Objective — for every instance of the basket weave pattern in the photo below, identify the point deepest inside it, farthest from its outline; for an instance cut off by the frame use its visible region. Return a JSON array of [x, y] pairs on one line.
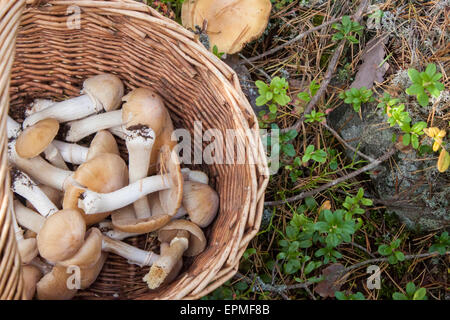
[[144, 49]]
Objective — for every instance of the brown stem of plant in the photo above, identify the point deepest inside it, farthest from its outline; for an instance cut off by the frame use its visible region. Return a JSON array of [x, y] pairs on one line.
[[329, 73], [306, 194]]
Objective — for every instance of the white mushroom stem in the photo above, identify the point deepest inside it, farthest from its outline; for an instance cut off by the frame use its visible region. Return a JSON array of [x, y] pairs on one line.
[[13, 128], [80, 129], [38, 105], [53, 155], [118, 132], [41, 171], [139, 143], [107, 228], [93, 202], [194, 175], [67, 110], [71, 152], [28, 218], [132, 254], [162, 267], [27, 188]]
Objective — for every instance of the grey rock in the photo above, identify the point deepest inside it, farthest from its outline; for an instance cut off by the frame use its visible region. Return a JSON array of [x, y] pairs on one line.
[[409, 186]]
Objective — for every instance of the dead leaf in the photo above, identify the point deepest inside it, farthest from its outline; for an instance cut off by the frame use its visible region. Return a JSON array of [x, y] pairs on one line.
[[329, 285], [369, 71]]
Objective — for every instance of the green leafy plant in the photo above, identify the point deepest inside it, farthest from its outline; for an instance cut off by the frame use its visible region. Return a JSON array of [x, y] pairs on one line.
[[316, 155], [216, 52], [442, 244], [352, 204], [412, 133], [425, 82], [412, 293], [356, 97], [346, 29], [307, 95], [353, 296], [336, 226], [314, 116], [390, 251], [274, 94], [281, 3]]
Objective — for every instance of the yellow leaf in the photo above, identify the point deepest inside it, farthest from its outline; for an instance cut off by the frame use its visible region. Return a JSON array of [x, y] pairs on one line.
[[431, 132], [437, 143], [443, 161], [326, 205], [441, 133]]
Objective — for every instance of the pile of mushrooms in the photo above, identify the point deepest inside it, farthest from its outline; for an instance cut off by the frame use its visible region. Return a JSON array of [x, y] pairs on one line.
[[74, 203]]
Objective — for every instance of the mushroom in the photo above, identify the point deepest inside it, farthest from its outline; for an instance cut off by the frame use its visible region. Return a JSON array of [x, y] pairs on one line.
[[200, 202], [27, 188], [31, 275], [144, 116], [54, 195], [71, 152], [102, 92], [105, 172], [194, 175], [53, 286], [79, 129], [103, 142], [230, 23], [184, 238], [93, 202], [108, 229], [59, 236], [38, 105], [27, 247], [37, 139], [132, 254], [41, 171]]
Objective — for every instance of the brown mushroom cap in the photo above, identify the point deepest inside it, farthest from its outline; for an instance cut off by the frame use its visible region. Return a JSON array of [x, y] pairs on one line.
[[61, 235], [31, 275], [89, 275], [231, 23], [145, 107], [197, 240], [106, 89], [201, 202], [105, 173], [125, 220], [89, 253], [53, 286], [170, 199], [28, 249], [35, 139], [103, 142]]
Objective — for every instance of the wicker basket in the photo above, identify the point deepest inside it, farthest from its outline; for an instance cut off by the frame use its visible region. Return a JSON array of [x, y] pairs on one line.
[[49, 60]]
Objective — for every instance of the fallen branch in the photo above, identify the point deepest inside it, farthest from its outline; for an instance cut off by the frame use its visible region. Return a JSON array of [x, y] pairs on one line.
[[343, 142], [311, 193]]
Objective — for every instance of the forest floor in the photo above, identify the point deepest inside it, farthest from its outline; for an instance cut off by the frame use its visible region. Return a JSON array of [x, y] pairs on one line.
[[322, 242]]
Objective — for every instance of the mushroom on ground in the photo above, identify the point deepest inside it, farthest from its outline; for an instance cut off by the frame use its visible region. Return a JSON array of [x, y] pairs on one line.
[[230, 24], [200, 202], [184, 238], [102, 92], [39, 138], [27, 188]]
